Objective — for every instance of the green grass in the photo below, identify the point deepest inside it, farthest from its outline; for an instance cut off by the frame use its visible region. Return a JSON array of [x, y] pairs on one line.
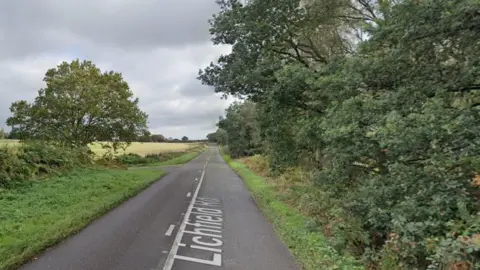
[[310, 248], [39, 215], [181, 159]]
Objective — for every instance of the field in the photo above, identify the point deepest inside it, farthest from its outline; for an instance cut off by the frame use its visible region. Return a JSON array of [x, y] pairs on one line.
[[148, 148], [136, 147], [4, 142]]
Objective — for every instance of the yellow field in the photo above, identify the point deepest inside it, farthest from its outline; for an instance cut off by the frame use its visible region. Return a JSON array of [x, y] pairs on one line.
[[136, 147], [8, 142], [147, 148]]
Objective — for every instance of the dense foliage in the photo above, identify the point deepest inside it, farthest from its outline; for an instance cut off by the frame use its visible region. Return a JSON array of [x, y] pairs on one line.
[[379, 101], [79, 105], [147, 136], [35, 159]]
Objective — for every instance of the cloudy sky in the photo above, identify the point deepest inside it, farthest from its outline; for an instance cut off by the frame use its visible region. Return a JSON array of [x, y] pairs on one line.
[[158, 45]]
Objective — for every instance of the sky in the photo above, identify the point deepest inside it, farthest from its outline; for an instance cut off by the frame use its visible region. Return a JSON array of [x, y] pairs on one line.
[[158, 46]]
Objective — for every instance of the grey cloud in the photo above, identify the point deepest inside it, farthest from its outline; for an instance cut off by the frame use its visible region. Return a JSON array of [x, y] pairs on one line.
[[157, 45], [192, 87], [123, 24]]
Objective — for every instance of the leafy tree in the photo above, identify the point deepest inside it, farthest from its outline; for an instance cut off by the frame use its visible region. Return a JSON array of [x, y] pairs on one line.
[[3, 134], [184, 138], [387, 125], [157, 138], [79, 105], [241, 128], [145, 137], [221, 136], [212, 137]]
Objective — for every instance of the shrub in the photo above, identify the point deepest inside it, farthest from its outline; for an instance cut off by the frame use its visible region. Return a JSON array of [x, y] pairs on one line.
[[257, 164], [131, 159], [34, 159], [135, 159]]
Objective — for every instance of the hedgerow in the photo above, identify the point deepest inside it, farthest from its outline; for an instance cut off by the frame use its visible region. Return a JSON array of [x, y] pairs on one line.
[[33, 159], [378, 103]]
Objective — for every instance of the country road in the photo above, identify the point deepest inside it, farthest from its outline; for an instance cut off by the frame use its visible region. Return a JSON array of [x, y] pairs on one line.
[[200, 216]]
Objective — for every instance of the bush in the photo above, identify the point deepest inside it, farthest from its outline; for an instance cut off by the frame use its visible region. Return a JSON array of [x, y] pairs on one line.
[[131, 159], [257, 163], [34, 159], [135, 159]]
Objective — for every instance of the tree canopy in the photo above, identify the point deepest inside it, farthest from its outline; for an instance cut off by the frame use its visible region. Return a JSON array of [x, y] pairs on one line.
[[379, 101], [80, 104]]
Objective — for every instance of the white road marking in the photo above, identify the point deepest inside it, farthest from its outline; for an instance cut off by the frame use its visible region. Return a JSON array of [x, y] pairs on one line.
[[217, 259], [173, 252], [189, 194], [196, 179], [170, 230]]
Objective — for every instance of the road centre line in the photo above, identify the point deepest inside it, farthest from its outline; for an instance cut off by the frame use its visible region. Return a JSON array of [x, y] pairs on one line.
[[170, 230], [171, 256], [189, 194]]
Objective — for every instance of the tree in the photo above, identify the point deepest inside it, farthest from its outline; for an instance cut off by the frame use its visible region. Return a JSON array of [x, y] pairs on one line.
[[184, 138], [3, 134], [211, 137], [386, 126], [241, 128], [79, 105], [157, 138], [145, 137]]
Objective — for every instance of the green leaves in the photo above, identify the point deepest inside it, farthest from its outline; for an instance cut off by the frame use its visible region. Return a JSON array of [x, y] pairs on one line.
[[79, 105], [379, 99]]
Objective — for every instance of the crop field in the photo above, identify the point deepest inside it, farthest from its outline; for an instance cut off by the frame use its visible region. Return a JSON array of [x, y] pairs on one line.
[[147, 148], [4, 142], [136, 147]]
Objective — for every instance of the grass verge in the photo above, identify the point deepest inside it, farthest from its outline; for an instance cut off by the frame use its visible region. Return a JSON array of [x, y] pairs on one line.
[[181, 159], [42, 213], [176, 160], [310, 248]]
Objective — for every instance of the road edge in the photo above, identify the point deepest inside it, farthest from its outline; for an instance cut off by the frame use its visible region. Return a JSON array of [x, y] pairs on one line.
[[105, 210], [309, 249]]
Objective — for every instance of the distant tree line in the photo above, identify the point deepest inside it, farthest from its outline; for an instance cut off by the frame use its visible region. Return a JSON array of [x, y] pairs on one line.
[[148, 137]]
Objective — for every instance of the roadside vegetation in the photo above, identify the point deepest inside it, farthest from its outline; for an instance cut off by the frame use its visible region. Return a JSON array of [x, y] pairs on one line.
[[162, 158], [362, 115], [68, 157], [42, 213], [299, 232]]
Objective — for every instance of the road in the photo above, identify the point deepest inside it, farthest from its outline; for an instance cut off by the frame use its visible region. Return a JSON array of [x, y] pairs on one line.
[[200, 216]]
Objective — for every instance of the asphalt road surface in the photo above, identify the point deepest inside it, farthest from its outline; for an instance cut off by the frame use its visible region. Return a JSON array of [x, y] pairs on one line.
[[200, 216]]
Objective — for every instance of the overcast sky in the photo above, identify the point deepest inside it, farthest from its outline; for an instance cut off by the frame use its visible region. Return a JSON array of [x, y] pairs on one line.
[[158, 46]]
